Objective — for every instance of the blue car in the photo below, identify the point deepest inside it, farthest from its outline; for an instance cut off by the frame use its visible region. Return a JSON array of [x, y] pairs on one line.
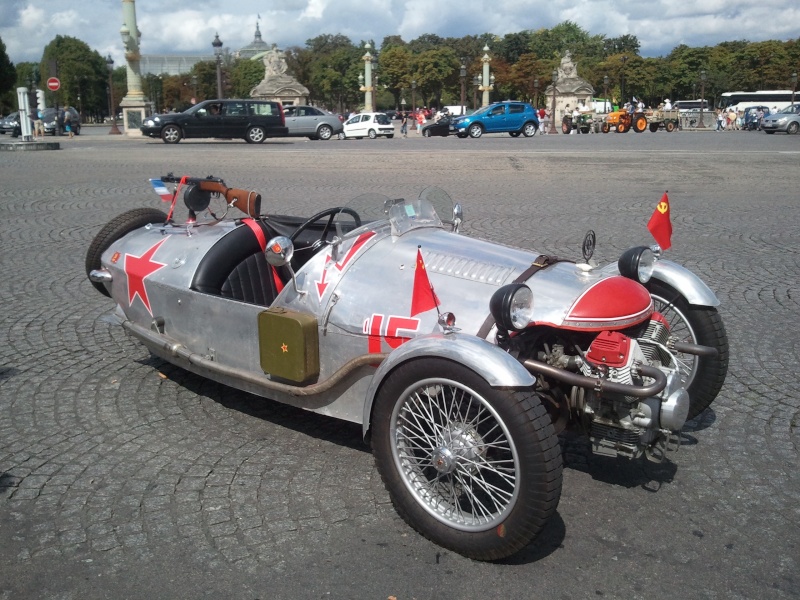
[[514, 118]]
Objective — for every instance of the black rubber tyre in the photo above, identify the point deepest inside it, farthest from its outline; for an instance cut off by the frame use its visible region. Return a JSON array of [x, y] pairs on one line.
[[768, 132], [792, 128], [530, 129], [461, 135], [699, 325], [325, 132], [622, 128], [639, 123], [513, 134], [566, 127], [372, 135], [605, 128], [115, 229], [475, 131], [255, 135], [670, 126], [653, 127], [426, 133], [171, 134], [473, 468]]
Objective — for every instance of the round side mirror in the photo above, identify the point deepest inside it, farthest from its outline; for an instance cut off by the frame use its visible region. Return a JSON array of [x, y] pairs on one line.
[[279, 251]]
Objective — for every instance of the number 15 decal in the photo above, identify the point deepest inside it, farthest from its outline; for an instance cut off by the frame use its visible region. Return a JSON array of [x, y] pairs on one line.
[[374, 327]]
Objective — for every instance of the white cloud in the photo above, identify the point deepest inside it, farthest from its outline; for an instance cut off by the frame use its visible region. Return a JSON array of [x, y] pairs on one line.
[[188, 26]]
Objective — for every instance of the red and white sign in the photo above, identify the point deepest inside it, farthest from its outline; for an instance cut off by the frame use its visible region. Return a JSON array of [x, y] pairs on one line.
[[53, 84]]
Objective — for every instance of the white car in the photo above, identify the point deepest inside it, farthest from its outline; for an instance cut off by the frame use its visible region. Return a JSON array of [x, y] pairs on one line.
[[369, 125]]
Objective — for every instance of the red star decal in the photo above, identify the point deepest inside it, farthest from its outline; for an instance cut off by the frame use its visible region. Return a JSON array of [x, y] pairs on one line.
[[139, 267], [285, 348]]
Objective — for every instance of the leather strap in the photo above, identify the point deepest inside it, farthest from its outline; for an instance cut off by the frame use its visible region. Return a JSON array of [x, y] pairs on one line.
[[542, 261]]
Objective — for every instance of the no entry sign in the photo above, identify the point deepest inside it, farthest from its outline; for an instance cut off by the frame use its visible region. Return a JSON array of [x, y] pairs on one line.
[[53, 84]]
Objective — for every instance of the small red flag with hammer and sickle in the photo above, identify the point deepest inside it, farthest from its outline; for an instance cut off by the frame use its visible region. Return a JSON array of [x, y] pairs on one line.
[[660, 225]]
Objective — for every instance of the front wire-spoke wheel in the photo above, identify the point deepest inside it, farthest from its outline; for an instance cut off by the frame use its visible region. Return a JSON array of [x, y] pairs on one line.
[[473, 468], [702, 376]]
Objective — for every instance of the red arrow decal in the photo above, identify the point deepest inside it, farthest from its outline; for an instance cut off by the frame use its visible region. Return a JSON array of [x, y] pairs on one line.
[[360, 241], [322, 284]]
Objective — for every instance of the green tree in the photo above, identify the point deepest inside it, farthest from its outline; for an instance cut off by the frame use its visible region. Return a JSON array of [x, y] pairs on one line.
[[244, 76], [82, 71], [8, 79]]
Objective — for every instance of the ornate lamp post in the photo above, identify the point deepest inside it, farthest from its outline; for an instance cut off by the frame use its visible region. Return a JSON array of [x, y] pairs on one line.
[[366, 87], [114, 129], [462, 73], [793, 79], [536, 91], [476, 81], [605, 93], [702, 125], [553, 106], [622, 81], [486, 86], [217, 44], [414, 103]]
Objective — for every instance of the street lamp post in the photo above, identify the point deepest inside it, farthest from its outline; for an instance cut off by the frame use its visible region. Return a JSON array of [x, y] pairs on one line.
[[793, 79], [622, 81], [536, 92], [194, 88], [365, 80], [476, 81], [486, 84], [462, 73], [553, 105], [114, 129], [414, 104], [605, 94], [217, 44], [702, 125]]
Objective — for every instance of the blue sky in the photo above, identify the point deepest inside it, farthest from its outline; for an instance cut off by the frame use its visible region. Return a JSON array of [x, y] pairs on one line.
[[188, 26]]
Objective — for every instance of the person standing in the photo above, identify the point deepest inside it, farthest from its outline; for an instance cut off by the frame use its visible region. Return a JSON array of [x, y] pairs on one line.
[[404, 125], [420, 121], [38, 124], [68, 123]]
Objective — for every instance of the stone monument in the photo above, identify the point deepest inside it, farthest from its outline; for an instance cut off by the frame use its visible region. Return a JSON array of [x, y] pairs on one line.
[[277, 85], [134, 104], [571, 89]]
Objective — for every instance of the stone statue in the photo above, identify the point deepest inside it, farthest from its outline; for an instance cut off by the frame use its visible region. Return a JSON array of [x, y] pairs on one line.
[[567, 68], [274, 62]]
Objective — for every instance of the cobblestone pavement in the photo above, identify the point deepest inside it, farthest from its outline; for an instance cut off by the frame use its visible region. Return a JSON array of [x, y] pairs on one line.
[[124, 477]]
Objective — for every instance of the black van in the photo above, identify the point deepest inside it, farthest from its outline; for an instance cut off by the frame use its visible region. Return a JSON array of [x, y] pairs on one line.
[[252, 120]]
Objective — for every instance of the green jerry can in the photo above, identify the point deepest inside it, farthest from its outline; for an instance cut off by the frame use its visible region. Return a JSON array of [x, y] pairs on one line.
[[289, 345]]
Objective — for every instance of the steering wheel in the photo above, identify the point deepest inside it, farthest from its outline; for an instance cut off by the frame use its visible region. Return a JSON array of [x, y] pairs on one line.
[[331, 214]]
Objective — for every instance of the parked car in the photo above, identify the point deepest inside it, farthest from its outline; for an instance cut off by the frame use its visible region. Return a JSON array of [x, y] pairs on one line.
[[369, 125], [311, 122], [252, 120], [786, 120], [514, 118], [54, 123], [10, 124], [440, 128], [462, 391]]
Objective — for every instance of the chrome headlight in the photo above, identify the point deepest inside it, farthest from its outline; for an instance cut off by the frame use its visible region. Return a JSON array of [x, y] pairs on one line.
[[149, 123], [637, 263], [512, 307]]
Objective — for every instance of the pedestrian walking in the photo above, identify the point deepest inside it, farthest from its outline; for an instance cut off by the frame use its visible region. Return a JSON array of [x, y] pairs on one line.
[[404, 125]]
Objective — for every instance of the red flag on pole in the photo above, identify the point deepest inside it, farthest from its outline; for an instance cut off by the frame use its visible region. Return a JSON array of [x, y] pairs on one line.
[[660, 225], [423, 298]]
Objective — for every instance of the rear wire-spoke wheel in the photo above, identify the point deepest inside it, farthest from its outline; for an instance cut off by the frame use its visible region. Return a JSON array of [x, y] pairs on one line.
[[703, 376], [474, 469]]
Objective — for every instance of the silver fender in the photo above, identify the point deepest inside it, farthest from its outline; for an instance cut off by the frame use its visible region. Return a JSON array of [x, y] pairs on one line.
[[497, 367], [683, 280]]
